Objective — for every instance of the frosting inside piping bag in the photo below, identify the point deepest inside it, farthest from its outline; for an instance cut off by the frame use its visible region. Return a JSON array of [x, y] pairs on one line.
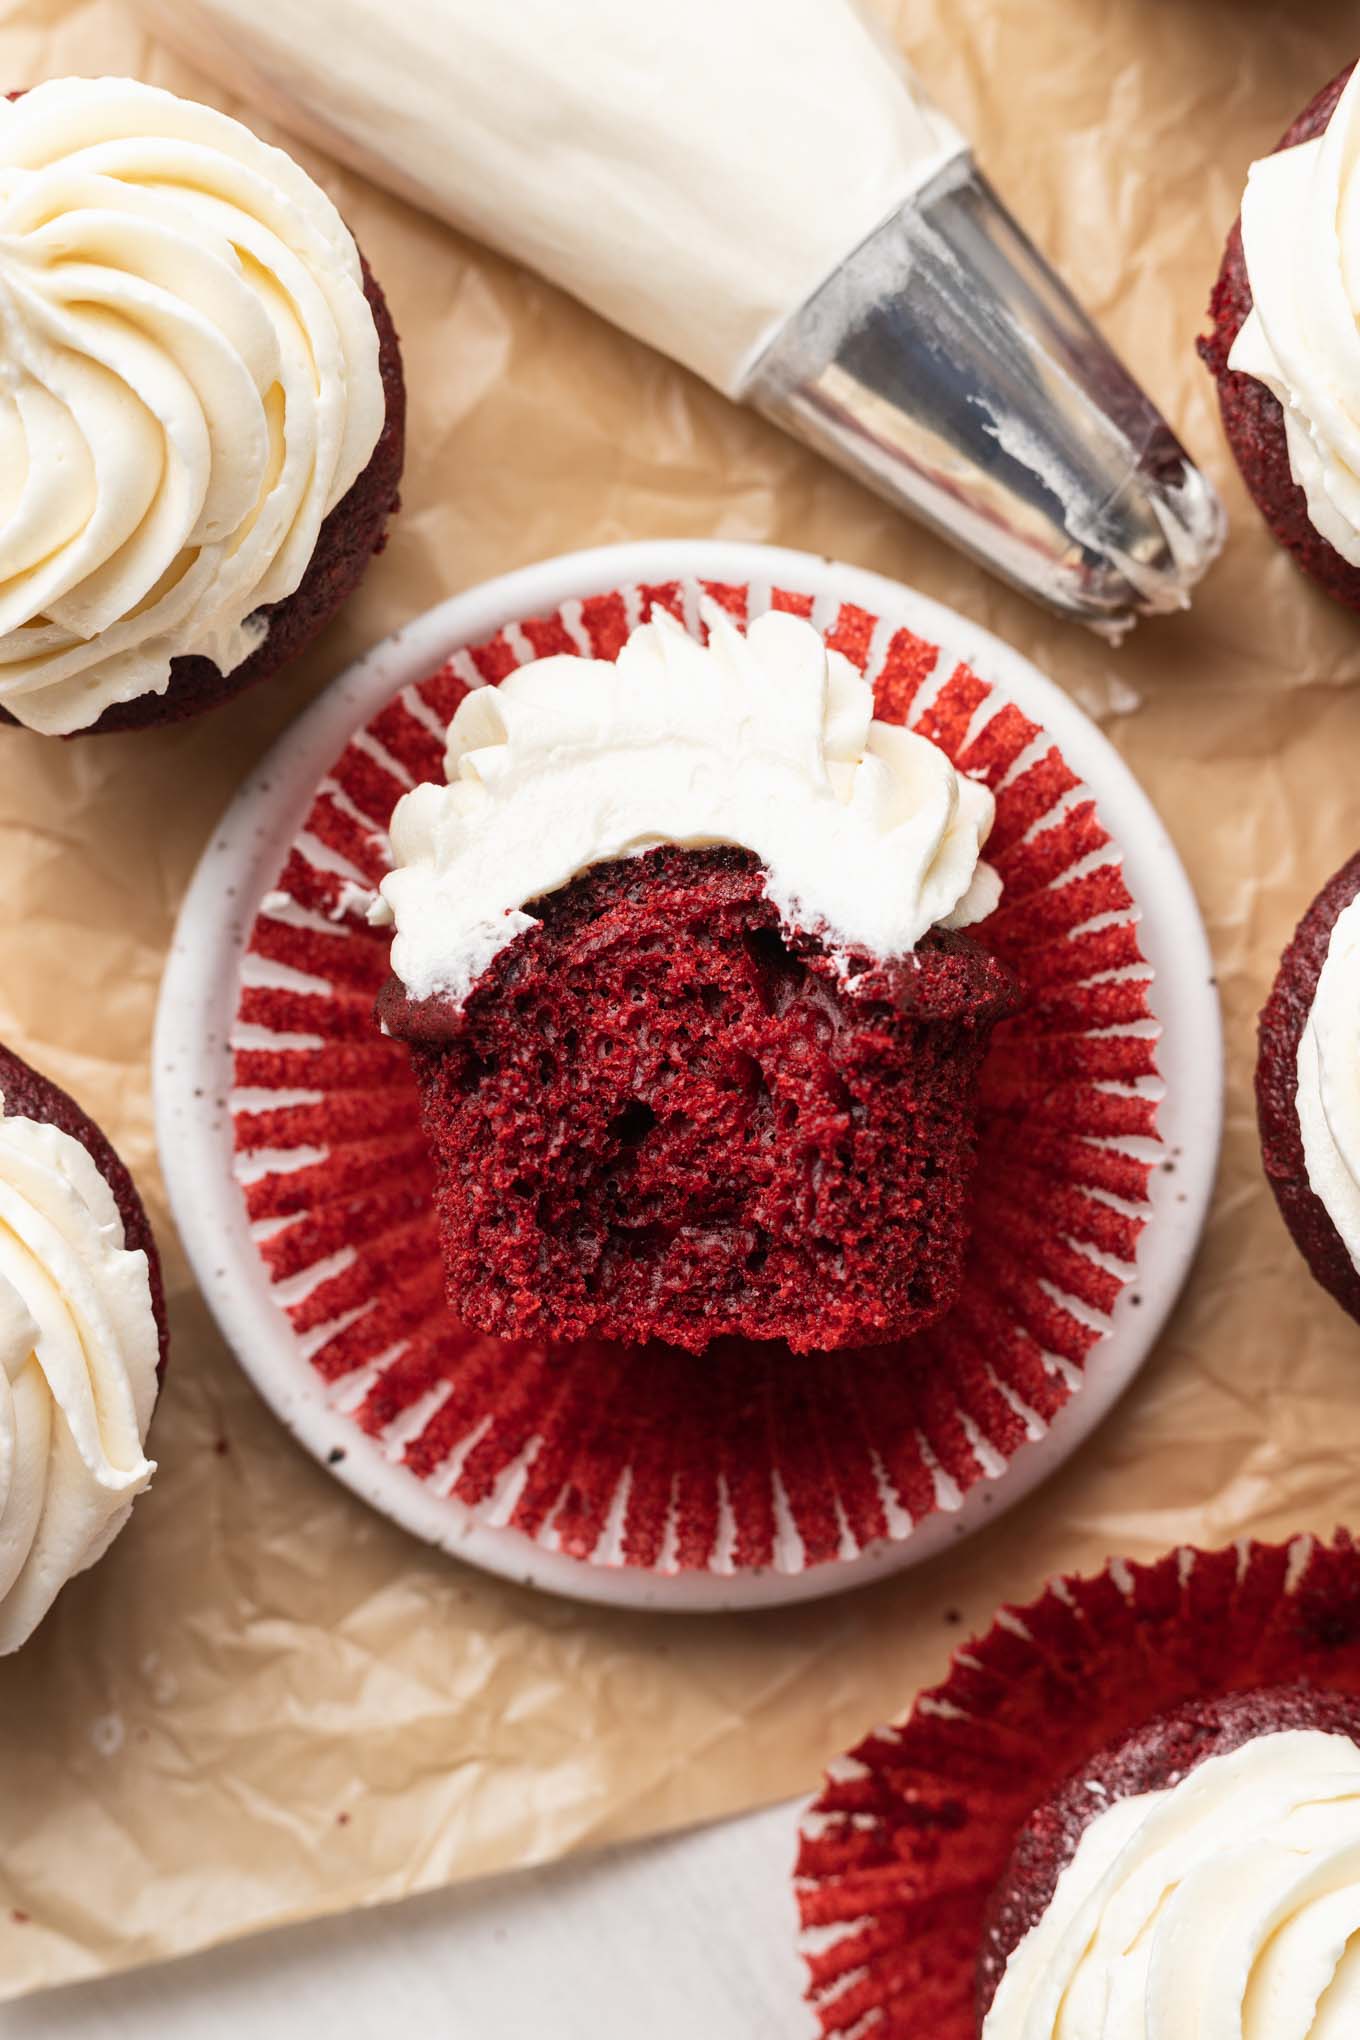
[[691, 169]]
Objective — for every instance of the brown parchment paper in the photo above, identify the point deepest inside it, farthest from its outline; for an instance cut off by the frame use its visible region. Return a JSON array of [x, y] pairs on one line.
[[268, 1702]]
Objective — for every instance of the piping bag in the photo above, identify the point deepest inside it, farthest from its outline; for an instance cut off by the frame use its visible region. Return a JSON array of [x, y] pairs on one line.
[[761, 189]]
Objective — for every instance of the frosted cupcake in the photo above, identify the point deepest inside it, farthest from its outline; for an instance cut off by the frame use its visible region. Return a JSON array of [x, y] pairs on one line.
[[677, 953], [1308, 1087], [82, 1342], [1206, 1868], [1284, 348], [1131, 1811], [201, 411]]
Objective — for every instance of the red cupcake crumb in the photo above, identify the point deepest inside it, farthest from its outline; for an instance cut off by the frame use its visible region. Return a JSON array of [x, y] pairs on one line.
[[29, 1095], [1152, 1758], [937, 1843], [658, 1117], [1252, 418], [1281, 1028]]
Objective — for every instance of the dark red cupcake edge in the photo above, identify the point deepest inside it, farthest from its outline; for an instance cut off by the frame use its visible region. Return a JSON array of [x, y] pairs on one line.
[[1252, 419], [30, 1095], [1150, 1759], [349, 538], [1279, 1032]]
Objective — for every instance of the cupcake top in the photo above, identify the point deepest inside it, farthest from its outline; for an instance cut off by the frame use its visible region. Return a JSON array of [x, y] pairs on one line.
[[1329, 1082], [1301, 239], [79, 1346], [191, 384], [764, 741], [1227, 1904]]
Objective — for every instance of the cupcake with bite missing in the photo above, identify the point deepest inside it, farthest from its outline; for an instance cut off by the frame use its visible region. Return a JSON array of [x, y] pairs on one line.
[[1284, 348], [1131, 1811], [83, 1341], [201, 408], [678, 954]]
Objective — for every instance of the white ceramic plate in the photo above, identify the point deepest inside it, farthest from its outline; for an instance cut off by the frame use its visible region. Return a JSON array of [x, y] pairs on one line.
[[198, 1001]]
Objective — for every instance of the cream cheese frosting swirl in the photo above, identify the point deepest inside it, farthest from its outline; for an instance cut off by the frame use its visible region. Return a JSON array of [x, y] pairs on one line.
[[78, 1355], [189, 383], [1226, 1908], [766, 740], [1301, 237], [1328, 1096]]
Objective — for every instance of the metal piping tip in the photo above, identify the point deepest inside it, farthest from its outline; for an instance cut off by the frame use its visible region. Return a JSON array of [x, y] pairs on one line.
[[946, 365]]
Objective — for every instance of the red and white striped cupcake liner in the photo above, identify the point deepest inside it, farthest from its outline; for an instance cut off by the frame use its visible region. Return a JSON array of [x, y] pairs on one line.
[[747, 1457], [913, 1830]]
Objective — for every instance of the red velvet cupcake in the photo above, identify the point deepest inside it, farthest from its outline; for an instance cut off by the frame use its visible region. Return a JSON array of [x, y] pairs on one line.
[[1308, 1112], [648, 1459], [201, 442], [1272, 337], [83, 1340], [1137, 1797], [688, 1093]]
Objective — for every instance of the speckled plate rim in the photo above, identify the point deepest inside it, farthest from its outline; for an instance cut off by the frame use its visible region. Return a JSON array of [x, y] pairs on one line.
[[192, 1069]]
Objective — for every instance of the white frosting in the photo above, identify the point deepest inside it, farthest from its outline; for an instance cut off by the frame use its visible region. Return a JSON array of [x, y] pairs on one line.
[[868, 835], [692, 169], [188, 384], [1301, 235], [78, 1355], [1329, 1082], [1227, 1908]]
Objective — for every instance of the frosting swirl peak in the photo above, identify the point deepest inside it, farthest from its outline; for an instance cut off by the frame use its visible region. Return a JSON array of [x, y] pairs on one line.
[[765, 741], [189, 383]]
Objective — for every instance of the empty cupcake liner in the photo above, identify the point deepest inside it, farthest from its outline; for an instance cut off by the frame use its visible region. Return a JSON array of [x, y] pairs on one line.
[[746, 1457], [913, 1830]]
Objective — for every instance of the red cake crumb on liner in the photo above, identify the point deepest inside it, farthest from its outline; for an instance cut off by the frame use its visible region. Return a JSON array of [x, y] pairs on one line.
[[746, 1457], [913, 1830]]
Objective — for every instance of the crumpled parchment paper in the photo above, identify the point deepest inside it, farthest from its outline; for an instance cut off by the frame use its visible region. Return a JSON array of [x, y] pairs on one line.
[[267, 1702]]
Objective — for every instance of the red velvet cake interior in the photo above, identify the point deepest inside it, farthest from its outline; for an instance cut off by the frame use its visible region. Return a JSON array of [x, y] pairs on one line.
[[660, 1116]]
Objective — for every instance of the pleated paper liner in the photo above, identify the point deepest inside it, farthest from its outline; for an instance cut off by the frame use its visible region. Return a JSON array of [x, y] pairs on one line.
[[914, 1829], [749, 1456]]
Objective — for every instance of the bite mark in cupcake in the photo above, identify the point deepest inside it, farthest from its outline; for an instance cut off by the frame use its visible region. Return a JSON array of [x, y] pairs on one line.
[[202, 416], [697, 1041]]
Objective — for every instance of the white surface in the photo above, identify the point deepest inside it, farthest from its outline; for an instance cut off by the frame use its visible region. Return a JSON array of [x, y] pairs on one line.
[[688, 1939], [192, 1063]]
